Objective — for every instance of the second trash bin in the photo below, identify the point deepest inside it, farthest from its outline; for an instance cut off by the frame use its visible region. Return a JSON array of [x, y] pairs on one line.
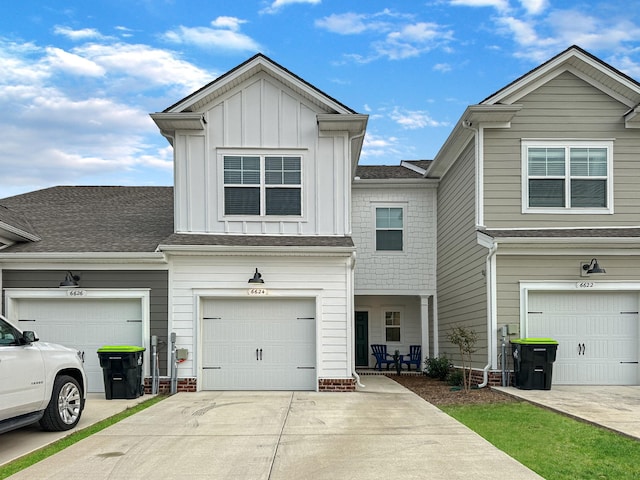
[[122, 371], [533, 362]]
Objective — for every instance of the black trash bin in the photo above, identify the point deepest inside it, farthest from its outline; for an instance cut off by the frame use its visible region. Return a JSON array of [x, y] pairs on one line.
[[533, 362], [122, 371]]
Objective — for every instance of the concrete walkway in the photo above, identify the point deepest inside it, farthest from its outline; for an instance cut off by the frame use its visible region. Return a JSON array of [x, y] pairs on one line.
[[614, 407], [381, 431]]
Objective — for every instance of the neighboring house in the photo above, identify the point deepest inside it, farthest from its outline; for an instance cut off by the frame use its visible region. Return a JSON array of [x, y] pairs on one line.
[[394, 229], [277, 261], [536, 181]]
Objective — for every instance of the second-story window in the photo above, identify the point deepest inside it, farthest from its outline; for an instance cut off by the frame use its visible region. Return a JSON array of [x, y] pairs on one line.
[[566, 177], [389, 228], [262, 185]]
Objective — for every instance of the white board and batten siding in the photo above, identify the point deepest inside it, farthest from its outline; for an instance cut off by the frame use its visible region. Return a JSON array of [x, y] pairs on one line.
[[262, 116], [295, 288], [597, 332]]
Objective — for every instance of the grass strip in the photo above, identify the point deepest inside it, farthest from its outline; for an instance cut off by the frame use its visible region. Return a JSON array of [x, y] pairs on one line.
[[555, 446], [34, 457]]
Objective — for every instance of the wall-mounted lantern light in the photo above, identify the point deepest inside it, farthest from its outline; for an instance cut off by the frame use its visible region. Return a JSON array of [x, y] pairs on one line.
[[70, 280], [257, 278], [592, 268]]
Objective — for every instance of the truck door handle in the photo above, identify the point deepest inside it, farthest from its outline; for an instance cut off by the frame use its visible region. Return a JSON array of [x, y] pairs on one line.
[[257, 358], [260, 354]]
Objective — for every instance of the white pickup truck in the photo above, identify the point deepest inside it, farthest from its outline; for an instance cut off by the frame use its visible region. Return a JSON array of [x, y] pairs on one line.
[[39, 381]]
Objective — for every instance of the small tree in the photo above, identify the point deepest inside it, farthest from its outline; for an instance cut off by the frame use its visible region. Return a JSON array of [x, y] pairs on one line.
[[465, 339]]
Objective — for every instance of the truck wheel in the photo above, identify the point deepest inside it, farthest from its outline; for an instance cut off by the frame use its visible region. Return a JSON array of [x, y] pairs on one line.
[[64, 409]]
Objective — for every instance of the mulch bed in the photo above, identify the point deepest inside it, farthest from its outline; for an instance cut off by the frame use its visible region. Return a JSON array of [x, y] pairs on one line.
[[441, 393]]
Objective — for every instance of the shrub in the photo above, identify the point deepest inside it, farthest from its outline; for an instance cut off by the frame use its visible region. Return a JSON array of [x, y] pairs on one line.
[[456, 378], [437, 367]]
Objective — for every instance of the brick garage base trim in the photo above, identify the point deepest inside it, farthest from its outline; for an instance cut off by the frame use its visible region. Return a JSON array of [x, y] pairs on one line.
[[188, 384], [336, 384], [494, 377]]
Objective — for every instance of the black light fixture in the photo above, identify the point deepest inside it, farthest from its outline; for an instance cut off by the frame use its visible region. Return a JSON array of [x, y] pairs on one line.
[[257, 278], [593, 267], [70, 280]]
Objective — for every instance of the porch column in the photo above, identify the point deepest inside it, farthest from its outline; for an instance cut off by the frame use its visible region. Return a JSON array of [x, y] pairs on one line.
[[424, 327]]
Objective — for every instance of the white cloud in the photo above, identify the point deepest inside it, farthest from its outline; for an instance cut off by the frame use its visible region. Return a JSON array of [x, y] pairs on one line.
[[534, 7], [412, 40], [278, 4], [501, 5], [347, 23], [77, 35], [222, 35], [442, 67], [379, 146], [73, 64], [414, 119], [141, 62]]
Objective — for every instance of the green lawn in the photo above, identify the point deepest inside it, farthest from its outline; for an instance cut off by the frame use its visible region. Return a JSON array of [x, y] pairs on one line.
[[553, 445]]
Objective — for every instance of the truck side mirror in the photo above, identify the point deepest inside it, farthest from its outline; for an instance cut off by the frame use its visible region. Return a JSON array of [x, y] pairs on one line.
[[29, 337]]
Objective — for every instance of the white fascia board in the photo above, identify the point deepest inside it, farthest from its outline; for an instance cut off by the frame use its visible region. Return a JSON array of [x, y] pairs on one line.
[[83, 258], [395, 182], [227, 250], [14, 233]]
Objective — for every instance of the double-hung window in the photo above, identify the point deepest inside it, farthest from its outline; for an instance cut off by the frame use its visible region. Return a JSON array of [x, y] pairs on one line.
[[389, 228], [392, 326], [262, 185], [567, 177]]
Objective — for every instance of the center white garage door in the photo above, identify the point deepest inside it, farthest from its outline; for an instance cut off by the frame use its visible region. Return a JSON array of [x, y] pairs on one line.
[[84, 324], [597, 334], [259, 344]]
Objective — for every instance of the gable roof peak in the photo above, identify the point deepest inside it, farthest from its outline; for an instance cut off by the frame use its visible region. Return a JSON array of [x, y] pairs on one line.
[[250, 67], [580, 63]]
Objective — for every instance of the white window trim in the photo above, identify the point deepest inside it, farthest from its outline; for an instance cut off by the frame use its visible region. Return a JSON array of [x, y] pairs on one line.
[[262, 153], [400, 311], [566, 143], [403, 206]]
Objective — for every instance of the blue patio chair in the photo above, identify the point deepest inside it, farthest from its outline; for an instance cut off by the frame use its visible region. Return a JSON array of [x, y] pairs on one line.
[[414, 357], [381, 355]]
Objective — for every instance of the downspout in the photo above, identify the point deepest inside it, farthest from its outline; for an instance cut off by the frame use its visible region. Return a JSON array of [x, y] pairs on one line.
[[490, 292], [352, 313]]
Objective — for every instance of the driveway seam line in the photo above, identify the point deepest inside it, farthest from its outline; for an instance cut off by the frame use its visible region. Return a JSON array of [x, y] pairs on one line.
[[284, 422]]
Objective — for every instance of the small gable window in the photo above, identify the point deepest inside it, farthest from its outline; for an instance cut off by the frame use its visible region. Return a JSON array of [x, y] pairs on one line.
[[567, 177], [262, 185]]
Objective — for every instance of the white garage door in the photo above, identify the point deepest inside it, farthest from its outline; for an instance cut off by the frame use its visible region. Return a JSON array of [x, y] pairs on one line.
[[597, 334], [84, 324], [258, 344]]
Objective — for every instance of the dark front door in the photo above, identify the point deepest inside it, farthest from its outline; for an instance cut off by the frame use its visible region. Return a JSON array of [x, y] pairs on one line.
[[362, 339]]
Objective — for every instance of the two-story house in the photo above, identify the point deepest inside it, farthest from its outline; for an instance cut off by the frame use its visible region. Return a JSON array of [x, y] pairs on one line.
[[277, 261], [539, 220]]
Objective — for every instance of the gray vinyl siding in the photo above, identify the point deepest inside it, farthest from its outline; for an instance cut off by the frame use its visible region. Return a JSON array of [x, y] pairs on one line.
[[513, 269], [156, 281], [565, 107], [462, 296]]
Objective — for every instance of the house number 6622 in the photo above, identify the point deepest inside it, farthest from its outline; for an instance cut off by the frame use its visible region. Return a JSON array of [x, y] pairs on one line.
[[586, 284]]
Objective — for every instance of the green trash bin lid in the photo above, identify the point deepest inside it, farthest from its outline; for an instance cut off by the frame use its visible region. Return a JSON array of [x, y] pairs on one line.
[[535, 341], [120, 349]]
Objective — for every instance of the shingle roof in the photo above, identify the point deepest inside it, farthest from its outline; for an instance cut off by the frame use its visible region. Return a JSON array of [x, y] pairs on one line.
[[94, 219], [15, 220], [122, 219], [566, 233], [182, 239], [375, 172]]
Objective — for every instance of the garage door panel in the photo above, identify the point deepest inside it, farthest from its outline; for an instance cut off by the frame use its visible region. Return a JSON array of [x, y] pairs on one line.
[[258, 344], [84, 324], [596, 331]]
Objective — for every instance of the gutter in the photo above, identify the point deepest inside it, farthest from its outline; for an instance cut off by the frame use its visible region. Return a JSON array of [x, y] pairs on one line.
[[354, 373]]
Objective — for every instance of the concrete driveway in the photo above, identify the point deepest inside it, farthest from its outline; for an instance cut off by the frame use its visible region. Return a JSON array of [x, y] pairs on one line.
[[381, 431]]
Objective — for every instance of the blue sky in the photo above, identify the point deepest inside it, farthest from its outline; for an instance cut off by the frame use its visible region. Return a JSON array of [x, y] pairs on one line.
[[79, 78]]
